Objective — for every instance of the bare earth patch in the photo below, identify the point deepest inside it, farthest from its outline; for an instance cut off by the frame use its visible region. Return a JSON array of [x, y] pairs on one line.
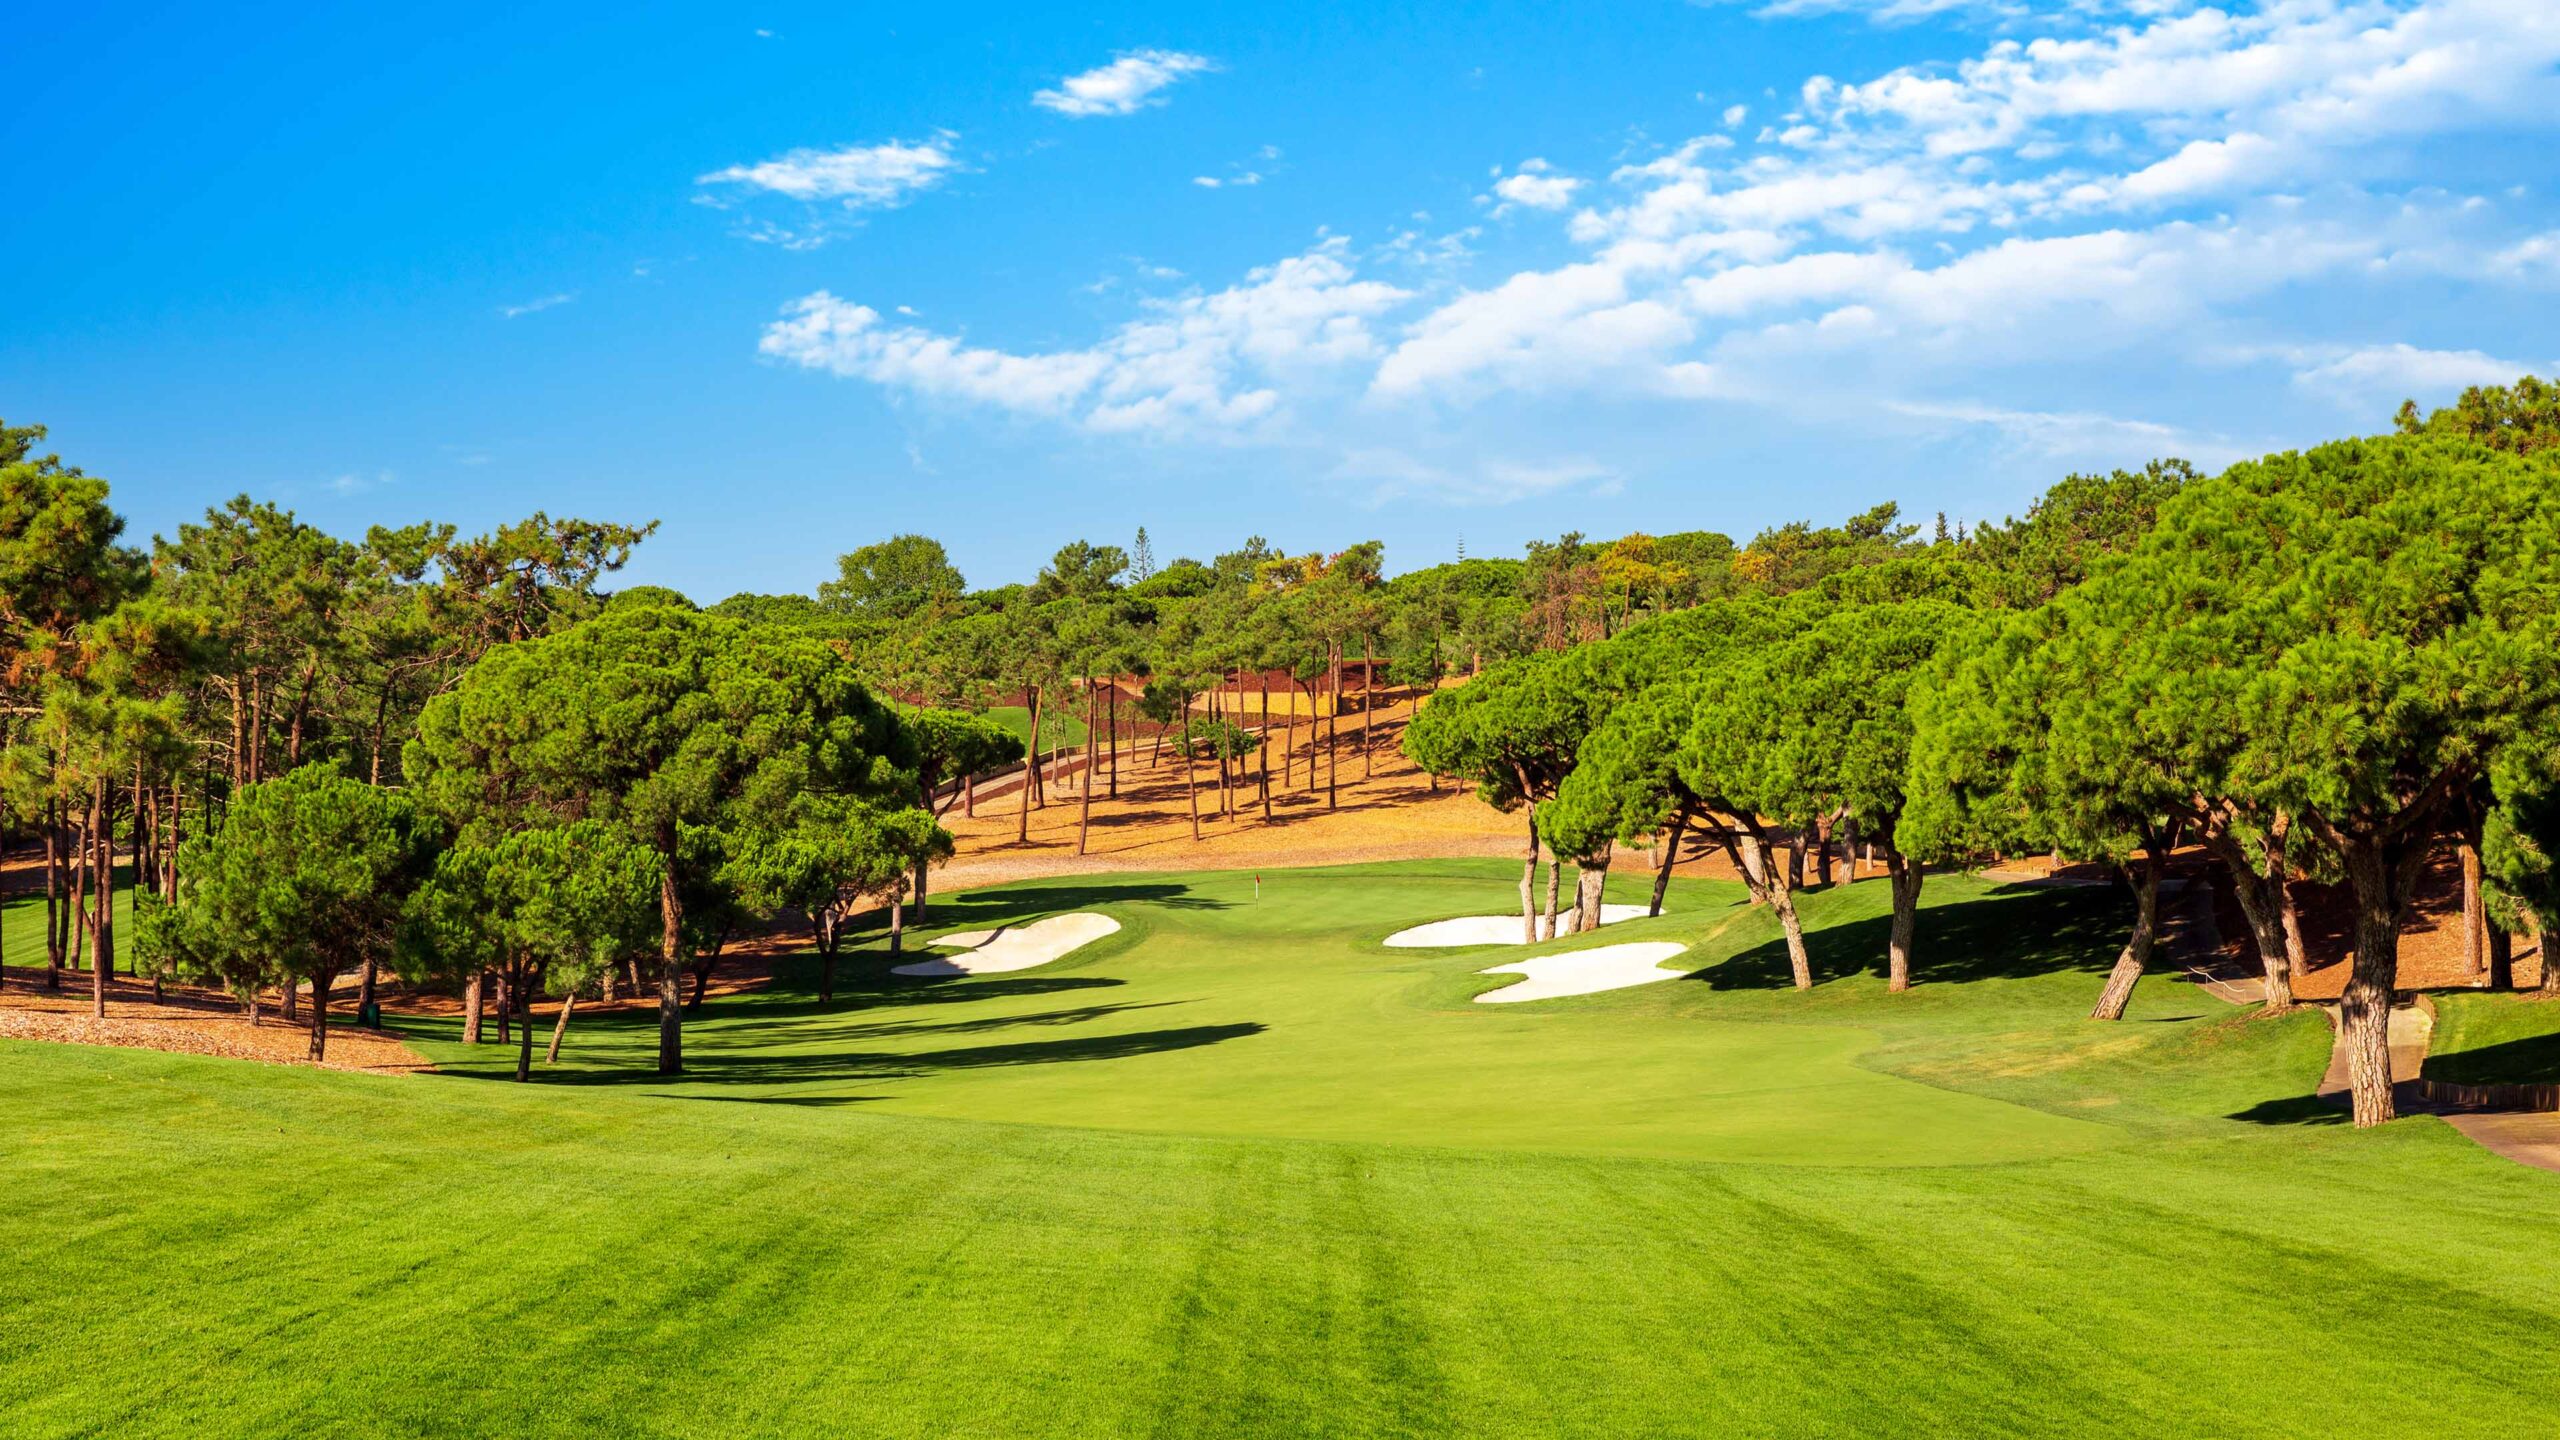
[[186, 1021]]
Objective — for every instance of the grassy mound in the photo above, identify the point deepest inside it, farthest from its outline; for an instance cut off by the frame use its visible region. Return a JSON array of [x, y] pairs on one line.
[[2495, 1040], [1242, 1170]]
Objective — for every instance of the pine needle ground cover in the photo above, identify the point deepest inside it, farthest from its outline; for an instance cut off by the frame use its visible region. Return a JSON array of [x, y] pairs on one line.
[[1239, 1169]]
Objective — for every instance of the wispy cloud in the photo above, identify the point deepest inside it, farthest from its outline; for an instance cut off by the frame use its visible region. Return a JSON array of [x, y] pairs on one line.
[[535, 306], [862, 177], [1134, 81], [1384, 475]]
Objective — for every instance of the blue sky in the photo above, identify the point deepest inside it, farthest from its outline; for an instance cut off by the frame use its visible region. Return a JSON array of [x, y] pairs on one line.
[[791, 278]]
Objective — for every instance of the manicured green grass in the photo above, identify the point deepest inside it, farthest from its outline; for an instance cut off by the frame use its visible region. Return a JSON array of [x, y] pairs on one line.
[[1056, 729], [22, 923], [1240, 1170], [2495, 1039]]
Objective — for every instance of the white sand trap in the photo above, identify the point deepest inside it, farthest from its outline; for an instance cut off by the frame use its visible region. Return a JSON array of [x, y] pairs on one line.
[[1584, 972], [1016, 947], [966, 939], [1494, 929]]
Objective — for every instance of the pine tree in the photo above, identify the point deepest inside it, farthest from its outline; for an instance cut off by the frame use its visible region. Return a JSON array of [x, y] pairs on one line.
[[1142, 556]]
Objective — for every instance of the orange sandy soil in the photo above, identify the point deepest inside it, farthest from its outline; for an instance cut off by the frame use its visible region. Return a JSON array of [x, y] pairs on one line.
[[2431, 955], [1391, 814], [190, 1020]]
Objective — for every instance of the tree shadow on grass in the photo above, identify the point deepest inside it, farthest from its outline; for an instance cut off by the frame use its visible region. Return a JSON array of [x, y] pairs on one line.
[[888, 1025], [2293, 1110], [2009, 933], [2529, 1060], [710, 1065]]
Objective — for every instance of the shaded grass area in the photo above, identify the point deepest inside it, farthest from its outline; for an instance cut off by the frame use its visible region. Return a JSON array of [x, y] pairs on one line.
[[1285, 1182], [1056, 729], [22, 923], [2486, 1039]]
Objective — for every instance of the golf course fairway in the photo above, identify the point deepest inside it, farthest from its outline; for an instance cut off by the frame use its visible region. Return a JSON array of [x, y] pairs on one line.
[[1241, 1169]]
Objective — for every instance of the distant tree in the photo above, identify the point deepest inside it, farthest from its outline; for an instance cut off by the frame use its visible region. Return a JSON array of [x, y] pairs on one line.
[[305, 881], [1081, 571], [2082, 519], [1181, 579], [657, 721], [951, 746], [2523, 418], [549, 908], [1142, 559], [894, 576], [1515, 732], [630, 596]]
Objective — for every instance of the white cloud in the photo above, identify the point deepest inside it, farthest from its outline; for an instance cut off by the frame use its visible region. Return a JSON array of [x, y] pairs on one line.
[[860, 176], [1537, 186], [1915, 251], [531, 307], [2368, 377], [1199, 363], [1127, 85]]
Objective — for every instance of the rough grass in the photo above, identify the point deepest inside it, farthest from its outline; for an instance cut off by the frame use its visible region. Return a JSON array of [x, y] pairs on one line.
[[1239, 1170]]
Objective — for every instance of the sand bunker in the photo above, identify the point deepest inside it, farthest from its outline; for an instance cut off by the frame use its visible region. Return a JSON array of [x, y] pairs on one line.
[[1494, 929], [1016, 947], [1583, 972]]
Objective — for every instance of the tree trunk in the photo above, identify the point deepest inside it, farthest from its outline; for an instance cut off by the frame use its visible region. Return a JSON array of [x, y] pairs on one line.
[[2136, 955], [1822, 850], [364, 987], [1084, 790], [1555, 890], [2364, 1010], [1113, 721], [2472, 926], [1670, 857], [670, 963], [320, 984], [301, 708], [1333, 739], [897, 921], [524, 1023], [53, 888], [1190, 778], [1589, 883], [1368, 693], [1761, 867], [560, 1027], [473, 1003], [506, 1006], [2502, 960], [1529, 883], [2256, 894], [1039, 789], [969, 796], [1904, 876], [924, 868]]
